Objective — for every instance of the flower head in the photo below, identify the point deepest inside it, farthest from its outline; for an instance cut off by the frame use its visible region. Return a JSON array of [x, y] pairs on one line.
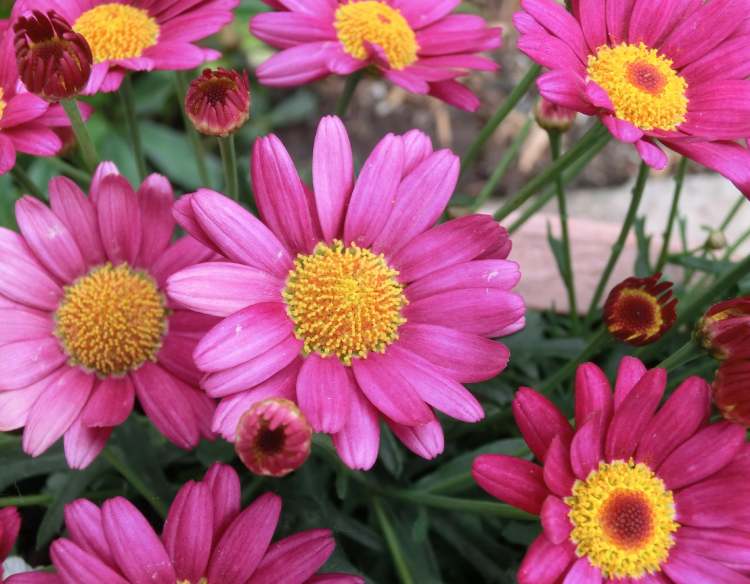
[[54, 62], [207, 539], [640, 311], [346, 297], [87, 324], [673, 81], [423, 51], [725, 329], [140, 35], [620, 496], [731, 390], [551, 116], [218, 101], [273, 438]]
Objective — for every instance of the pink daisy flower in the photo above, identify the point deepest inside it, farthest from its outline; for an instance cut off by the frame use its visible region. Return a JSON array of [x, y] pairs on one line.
[[347, 298], [679, 78], [635, 493], [207, 539], [140, 35], [417, 44], [86, 325]]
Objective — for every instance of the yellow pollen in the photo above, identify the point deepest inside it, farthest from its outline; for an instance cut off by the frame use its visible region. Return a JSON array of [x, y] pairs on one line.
[[112, 320], [372, 21], [117, 31], [203, 580], [644, 88], [638, 310], [2, 103], [344, 301], [623, 518]]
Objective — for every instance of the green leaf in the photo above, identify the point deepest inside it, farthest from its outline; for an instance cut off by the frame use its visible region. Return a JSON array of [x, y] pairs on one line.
[[16, 465], [558, 252], [391, 453], [643, 267]]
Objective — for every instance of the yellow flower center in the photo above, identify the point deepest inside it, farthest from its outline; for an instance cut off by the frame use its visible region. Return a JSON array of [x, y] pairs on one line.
[[2, 103], [117, 31], [637, 312], [112, 320], [201, 581], [623, 518], [644, 88], [371, 21], [344, 301]]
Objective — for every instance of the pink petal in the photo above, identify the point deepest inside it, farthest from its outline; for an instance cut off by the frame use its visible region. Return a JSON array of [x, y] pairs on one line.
[[426, 440], [593, 394], [16, 404], [119, 219], [83, 521], [35, 139], [586, 447], [500, 274], [110, 404], [185, 252], [651, 154], [294, 559], [324, 389], [558, 475], [22, 108], [155, 198], [333, 174], [224, 484], [684, 568], [24, 324], [730, 547], [716, 502], [539, 421], [83, 444], [554, 517], [544, 562], [77, 565], [25, 362], [7, 154], [358, 441], [79, 216], [514, 481], [582, 572], [629, 373]]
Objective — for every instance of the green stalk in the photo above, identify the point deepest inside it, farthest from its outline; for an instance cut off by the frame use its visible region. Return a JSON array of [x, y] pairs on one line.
[[85, 143], [345, 99], [27, 501], [76, 174], [502, 167], [640, 185], [685, 354], [181, 84], [499, 116], [733, 212], [130, 475], [599, 341], [391, 539], [128, 100], [25, 182], [229, 158], [679, 180], [584, 145], [486, 508]]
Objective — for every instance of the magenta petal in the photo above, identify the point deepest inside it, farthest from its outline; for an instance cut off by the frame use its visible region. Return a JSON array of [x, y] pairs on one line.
[[83, 520], [7, 154], [296, 558], [324, 389], [10, 519], [83, 444], [22, 278], [119, 219], [501, 274], [539, 421], [545, 562], [687, 568], [582, 572], [24, 324], [629, 374], [185, 252], [224, 484], [25, 362], [110, 403], [730, 547], [426, 440], [188, 531], [21, 108], [333, 174], [714, 503], [358, 441], [155, 198], [77, 565], [651, 154], [514, 481], [78, 214], [558, 475], [554, 517], [592, 394], [15, 405], [586, 447], [622, 130]]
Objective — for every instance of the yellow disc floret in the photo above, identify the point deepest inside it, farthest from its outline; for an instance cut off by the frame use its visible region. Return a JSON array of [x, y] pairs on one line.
[[2, 103], [623, 518], [638, 312], [375, 22], [644, 88], [344, 301], [117, 31], [112, 320]]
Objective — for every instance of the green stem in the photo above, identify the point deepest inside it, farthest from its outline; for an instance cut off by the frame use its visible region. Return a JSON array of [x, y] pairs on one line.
[[391, 539], [679, 180], [688, 352], [599, 341], [742, 201], [584, 145], [25, 182], [130, 475], [486, 508], [503, 165], [27, 501], [76, 174], [566, 270], [499, 116], [85, 143], [229, 158], [345, 99], [128, 100], [181, 84], [640, 185]]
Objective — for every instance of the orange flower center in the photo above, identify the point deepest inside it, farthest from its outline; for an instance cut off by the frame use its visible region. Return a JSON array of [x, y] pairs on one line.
[[117, 31]]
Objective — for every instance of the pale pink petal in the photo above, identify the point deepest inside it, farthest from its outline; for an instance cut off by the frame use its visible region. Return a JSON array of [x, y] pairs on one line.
[[333, 174], [426, 440], [358, 441], [294, 559], [119, 219], [324, 389], [155, 198], [110, 404], [79, 216], [83, 444]]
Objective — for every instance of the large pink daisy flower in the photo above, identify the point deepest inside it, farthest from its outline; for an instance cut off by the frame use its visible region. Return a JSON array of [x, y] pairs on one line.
[[140, 35], [207, 539], [679, 77], [417, 44], [636, 493], [348, 299], [86, 326]]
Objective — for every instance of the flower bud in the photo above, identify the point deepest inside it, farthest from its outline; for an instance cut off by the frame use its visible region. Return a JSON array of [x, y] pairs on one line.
[[724, 331], [218, 102], [273, 438], [54, 62], [716, 240], [639, 311], [551, 116], [730, 391]]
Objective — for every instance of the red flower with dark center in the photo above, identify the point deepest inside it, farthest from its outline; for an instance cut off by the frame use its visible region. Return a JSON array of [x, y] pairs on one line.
[[725, 329], [218, 102]]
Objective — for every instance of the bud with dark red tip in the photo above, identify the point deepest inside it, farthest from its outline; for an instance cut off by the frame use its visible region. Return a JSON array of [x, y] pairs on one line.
[[218, 102], [551, 116], [724, 330]]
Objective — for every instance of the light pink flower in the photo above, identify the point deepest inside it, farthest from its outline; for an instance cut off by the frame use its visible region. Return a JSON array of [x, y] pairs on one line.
[[346, 297], [635, 493], [679, 78], [86, 326], [417, 44], [140, 35], [207, 539]]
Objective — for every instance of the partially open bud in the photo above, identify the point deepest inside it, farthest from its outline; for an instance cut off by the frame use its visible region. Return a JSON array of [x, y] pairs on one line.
[[639, 311], [551, 116], [724, 330], [54, 61], [273, 438], [731, 393], [218, 102]]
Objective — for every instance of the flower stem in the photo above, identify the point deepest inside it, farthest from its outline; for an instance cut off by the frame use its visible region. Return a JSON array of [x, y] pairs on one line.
[[27, 501], [25, 182], [128, 100], [181, 84], [229, 158], [117, 462], [685, 354], [499, 116], [635, 202], [391, 539], [85, 143], [584, 145], [733, 212], [345, 99], [679, 179], [486, 508], [599, 341]]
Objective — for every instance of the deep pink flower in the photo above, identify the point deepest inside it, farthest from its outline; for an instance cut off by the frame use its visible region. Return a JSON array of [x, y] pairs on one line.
[[679, 78], [207, 539], [636, 493], [86, 325], [417, 44], [724, 330], [347, 298], [140, 35], [731, 390]]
